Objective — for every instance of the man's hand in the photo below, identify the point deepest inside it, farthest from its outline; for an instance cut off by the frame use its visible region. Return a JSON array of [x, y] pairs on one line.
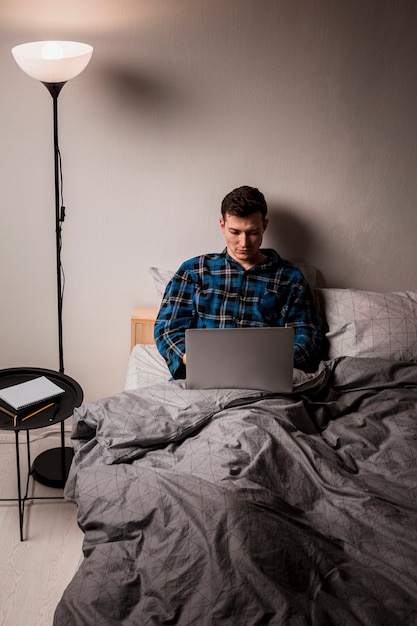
[[184, 359]]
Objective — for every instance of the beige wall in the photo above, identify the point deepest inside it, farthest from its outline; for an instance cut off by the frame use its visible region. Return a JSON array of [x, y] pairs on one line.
[[314, 101]]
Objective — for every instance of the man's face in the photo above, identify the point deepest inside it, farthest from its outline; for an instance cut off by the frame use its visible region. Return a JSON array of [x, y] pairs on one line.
[[244, 237]]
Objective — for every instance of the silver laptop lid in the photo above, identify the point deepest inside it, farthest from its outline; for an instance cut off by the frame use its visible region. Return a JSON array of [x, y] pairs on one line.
[[240, 358]]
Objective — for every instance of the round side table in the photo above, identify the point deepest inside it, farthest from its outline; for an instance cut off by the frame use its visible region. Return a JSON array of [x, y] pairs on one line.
[[50, 467]]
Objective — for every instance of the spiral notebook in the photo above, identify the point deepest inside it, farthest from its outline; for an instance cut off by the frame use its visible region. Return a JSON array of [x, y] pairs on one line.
[[30, 392]]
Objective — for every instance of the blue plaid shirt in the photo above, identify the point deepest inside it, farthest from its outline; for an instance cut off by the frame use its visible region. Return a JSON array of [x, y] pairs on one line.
[[214, 291]]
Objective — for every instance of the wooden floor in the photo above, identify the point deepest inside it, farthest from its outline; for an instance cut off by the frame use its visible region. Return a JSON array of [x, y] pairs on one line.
[[34, 572]]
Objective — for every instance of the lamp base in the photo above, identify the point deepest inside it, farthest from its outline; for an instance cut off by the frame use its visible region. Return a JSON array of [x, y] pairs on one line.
[[51, 469]]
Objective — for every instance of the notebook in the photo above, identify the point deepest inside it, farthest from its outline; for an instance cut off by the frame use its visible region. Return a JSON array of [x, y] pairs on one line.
[[240, 358], [30, 392]]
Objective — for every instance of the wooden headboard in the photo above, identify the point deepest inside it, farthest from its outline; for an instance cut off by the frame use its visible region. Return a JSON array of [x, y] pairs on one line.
[[141, 325]]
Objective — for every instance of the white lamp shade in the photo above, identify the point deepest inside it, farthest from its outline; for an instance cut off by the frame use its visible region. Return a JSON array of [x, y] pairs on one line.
[[52, 61]]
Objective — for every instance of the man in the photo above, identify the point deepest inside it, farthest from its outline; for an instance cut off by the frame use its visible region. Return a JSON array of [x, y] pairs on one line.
[[242, 286]]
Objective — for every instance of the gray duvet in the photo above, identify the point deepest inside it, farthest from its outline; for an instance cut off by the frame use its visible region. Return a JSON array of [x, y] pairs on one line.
[[239, 508]]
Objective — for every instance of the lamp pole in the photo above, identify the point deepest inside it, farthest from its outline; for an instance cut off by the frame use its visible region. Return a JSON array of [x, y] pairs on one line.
[[55, 89]]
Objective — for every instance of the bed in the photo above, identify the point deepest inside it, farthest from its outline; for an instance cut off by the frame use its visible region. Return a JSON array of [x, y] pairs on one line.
[[244, 508]]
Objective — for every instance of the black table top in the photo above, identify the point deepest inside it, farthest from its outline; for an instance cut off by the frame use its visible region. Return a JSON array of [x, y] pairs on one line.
[[62, 408]]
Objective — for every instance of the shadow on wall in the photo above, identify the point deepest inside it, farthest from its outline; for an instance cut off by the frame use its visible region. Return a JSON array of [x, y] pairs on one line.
[[137, 89], [291, 237]]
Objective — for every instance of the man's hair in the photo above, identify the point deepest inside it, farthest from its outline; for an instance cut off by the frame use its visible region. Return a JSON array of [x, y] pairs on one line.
[[244, 201]]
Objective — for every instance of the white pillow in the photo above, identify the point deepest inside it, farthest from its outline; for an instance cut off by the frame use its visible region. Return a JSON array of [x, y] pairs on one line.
[[160, 278], [146, 367], [370, 324]]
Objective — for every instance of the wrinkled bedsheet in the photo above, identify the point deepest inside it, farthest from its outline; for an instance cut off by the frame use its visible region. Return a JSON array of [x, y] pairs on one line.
[[242, 508]]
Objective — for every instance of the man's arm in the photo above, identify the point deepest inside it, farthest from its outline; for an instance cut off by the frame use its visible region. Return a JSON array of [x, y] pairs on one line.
[[308, 336], [176, 314]]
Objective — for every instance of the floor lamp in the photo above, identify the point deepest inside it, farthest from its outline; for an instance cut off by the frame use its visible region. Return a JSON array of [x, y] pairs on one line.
[[54, 63]]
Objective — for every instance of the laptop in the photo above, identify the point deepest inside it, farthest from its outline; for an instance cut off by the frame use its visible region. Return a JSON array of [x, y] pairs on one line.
[[240, 358]]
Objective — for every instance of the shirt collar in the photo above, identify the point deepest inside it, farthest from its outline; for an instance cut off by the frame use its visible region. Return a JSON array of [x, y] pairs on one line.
[[271, 257]]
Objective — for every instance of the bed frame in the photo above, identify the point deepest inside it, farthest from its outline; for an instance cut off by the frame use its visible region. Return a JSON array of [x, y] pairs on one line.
[[142, 322]]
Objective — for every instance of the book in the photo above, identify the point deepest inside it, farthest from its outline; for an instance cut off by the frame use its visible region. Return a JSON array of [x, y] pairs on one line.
[[30, 392]]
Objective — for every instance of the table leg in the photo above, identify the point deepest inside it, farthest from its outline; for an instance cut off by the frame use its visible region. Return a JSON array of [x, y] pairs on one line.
[[19, 485], [63, 464], [66, 454]]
